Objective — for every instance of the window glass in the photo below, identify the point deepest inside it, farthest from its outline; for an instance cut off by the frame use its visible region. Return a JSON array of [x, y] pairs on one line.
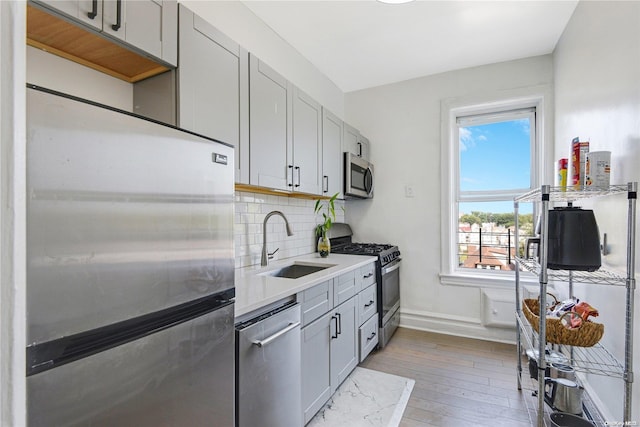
[[486, 234], [495, 156], [495, 164]]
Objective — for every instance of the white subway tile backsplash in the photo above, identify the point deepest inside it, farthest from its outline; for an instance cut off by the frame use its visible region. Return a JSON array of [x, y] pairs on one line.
[[250, 211]]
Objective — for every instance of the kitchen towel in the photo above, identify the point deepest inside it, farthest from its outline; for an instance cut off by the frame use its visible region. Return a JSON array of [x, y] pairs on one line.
[[366, 398]]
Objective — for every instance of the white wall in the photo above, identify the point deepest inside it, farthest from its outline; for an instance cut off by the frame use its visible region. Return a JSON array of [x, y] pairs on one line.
[[238, 22], [403, 123], [597, 75], [53, 72]]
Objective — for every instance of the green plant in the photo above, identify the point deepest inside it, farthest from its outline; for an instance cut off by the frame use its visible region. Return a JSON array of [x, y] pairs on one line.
[[329, 216]]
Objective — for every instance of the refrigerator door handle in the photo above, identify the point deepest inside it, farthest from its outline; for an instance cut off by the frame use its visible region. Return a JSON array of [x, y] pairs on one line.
[[266, 341]]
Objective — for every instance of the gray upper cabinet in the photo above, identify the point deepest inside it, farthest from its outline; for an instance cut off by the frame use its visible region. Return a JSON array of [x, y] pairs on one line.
[[87, 12], [354, 142], [307, 144], [149, 26], [350, 138], [363, 147], [332, 165], [213, 87], [285, 132], [269, 127]]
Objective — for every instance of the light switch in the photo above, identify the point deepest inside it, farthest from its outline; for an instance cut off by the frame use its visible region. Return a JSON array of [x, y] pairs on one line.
[[408, 191]]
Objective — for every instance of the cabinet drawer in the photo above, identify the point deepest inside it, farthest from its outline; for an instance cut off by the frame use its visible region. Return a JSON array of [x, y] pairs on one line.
[[367, 304], [344, 287], [367, 275], [316, 301], [368, 337]]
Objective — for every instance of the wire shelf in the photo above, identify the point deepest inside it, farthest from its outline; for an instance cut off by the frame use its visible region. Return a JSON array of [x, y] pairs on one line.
[[593, 360], [598, 277], [530, 399], [569, 193]]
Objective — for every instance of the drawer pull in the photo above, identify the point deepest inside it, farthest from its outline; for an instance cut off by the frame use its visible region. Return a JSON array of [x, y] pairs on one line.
[[366, 276], [372, 336], [370, 303]]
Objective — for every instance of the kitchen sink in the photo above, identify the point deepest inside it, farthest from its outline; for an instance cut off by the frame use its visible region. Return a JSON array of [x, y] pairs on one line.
[[295, 271]]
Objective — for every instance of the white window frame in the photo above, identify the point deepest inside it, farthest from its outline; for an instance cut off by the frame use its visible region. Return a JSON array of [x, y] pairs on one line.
[[451, 109]]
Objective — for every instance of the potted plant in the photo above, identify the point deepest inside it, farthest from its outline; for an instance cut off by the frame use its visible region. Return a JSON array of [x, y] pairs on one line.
[[324, 247]]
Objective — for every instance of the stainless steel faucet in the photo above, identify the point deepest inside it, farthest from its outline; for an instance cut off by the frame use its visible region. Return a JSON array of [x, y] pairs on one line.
[[267, 256]]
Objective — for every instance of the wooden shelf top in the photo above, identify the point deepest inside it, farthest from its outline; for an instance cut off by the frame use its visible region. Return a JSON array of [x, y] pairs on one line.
[[55, 35]]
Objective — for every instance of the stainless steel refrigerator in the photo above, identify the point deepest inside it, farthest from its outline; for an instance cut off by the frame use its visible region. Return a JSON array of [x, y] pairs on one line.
[[130, 276]]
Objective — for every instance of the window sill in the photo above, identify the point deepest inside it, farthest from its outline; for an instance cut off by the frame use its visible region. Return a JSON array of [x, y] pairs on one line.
[[487, 280]]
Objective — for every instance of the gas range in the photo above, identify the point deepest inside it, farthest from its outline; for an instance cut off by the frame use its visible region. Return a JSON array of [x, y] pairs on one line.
[[386, 253], [340, 238], [387, 276]]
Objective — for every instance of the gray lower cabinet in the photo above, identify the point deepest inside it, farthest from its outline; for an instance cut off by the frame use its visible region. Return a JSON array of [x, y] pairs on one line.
[[149, 26], [213, 87], [316, 356], [344, 345], [367, 316], [329, 354], [344, 287]]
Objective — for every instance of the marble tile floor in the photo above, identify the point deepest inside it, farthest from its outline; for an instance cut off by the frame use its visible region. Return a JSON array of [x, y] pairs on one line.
[[366, 398]]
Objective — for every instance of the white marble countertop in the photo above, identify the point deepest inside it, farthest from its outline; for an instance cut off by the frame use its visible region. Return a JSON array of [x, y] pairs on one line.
[[254, 289]]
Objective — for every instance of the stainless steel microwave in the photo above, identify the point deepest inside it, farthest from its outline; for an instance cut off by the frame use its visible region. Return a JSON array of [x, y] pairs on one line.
[[358, 177]]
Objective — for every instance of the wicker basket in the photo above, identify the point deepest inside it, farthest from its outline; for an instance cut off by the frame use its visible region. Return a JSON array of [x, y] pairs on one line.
[[587, 335]]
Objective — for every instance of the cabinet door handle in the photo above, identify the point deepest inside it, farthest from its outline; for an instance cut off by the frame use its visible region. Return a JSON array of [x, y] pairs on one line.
[[336, 335], [297, 168], [372, 336], [116, 26], [339, 323], [369, 304], [291, 183], [325, 188], [359, 149], [94, 10]]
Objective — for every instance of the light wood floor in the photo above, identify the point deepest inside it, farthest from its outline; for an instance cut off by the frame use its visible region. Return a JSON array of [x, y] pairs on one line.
[[459, 381]]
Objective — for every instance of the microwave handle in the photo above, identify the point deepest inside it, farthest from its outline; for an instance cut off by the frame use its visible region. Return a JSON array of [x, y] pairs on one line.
[[368, 181]]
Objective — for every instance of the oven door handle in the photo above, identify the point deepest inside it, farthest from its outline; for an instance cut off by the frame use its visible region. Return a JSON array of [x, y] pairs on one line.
[[394, 266]]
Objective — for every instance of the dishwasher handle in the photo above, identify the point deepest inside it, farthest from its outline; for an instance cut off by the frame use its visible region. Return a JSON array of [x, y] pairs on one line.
[[262, 343]]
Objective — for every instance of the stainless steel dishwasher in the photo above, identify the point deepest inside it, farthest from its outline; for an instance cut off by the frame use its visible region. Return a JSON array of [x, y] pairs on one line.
[[268, 369]]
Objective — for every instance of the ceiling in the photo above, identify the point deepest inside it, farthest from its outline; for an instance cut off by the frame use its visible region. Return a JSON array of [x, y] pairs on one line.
[[365, 43]]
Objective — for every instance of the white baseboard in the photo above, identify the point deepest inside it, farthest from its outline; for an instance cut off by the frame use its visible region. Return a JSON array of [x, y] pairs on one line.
[[461, 326], [595, 399]]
